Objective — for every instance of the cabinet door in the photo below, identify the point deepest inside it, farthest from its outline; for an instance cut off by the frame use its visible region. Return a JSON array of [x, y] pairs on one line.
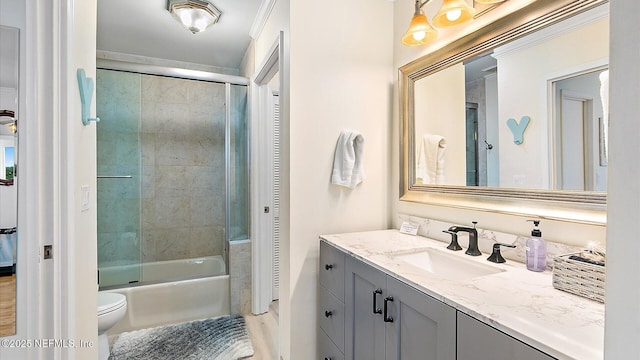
[[364, 329], [478, 341], [423, 328]]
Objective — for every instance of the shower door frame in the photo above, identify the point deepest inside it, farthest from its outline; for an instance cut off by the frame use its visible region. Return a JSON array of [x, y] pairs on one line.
[[188, 74]]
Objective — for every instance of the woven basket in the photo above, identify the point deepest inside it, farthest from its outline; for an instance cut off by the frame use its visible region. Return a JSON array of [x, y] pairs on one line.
[[579, 278]]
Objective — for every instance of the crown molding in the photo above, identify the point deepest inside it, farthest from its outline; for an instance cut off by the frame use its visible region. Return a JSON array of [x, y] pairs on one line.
[[588, 17], [261, 18]]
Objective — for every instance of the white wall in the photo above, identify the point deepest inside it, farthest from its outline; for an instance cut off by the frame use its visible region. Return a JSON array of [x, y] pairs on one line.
[[622, 323], [341, 76], [77, 248], [520, 94]]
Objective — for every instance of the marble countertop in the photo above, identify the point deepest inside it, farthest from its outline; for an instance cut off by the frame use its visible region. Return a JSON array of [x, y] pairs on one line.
[[516, 301]]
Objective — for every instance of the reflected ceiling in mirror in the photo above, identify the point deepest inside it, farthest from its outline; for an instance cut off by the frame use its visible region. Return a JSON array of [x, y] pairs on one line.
[[512, 111]]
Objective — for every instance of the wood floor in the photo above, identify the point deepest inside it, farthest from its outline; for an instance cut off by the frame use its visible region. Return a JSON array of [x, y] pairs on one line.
[[7, 305], [263, 330]]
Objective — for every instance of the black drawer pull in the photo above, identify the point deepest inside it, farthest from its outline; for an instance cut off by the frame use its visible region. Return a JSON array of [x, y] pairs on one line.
[[386, 300], [328, 313], [327, 358], [328, 266], [376, 309]]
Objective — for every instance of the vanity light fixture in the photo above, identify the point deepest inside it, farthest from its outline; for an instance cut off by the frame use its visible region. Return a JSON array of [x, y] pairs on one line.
[[420, 31], [194, 15], [452, 12]]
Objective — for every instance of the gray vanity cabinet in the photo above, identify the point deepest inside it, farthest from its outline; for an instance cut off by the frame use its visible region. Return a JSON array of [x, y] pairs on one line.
[[353, 297], [478, 341], [414, 325]]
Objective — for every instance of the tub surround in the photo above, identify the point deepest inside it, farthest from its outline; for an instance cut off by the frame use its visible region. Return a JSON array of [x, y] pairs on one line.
[[240, 276], [520, 303], [173, 302]]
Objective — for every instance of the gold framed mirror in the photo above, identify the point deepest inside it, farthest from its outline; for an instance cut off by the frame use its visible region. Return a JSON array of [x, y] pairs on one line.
[[521, 116]]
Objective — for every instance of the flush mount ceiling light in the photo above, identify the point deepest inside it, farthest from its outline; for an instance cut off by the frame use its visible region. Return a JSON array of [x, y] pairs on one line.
[[194, 15]]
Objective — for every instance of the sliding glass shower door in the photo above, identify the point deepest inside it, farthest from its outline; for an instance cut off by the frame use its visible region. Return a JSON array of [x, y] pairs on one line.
[[173, 175]]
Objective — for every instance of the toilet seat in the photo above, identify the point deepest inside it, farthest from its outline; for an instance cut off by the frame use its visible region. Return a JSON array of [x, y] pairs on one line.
[[108, 302]]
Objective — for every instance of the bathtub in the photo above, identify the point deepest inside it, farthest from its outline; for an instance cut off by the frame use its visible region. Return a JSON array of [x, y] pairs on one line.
[[161, 271], [175, 301]]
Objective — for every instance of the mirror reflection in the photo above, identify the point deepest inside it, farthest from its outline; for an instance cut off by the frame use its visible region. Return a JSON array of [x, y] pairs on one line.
[[8, 176], [530, 114]]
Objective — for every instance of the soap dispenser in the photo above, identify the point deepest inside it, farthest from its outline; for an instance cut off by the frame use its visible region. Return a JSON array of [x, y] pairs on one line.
[[536, 249]]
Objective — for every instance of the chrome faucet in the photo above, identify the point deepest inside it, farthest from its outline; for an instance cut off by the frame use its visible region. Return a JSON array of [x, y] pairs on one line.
[[473, 238]]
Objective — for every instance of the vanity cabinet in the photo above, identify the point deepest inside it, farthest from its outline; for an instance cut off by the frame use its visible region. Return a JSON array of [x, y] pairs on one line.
[[478, 341], [365, 314]]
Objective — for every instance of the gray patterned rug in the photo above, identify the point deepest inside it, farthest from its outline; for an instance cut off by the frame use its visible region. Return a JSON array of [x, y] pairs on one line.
[[223, 338]]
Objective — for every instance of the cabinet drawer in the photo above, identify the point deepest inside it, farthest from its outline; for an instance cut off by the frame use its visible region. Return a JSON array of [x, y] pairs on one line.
[[332, 269], [331, 317], [327, 350]]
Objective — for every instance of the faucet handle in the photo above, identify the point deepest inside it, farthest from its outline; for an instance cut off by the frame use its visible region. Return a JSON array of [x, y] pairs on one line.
[[454, 241], [495, 256], [474, 224]]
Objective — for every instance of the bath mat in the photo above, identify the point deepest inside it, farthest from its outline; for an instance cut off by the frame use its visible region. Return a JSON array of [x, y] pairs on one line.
[[223, 338]]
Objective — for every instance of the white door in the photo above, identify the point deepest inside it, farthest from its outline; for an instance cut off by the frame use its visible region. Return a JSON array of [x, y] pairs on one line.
[[265, 178], [576, 159], [573, 161], [276, 199]]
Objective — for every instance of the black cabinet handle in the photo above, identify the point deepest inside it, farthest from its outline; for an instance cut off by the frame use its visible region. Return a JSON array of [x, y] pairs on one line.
[[328, 266], [386, 317], [327, 358], [376, 309], [328, 313]]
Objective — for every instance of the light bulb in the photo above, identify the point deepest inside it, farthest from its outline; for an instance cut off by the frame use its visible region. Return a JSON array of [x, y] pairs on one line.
[[419, 35], [454, 15]]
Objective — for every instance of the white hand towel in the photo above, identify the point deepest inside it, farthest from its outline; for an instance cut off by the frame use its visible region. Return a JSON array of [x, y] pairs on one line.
[[430, 166], [347, 164]]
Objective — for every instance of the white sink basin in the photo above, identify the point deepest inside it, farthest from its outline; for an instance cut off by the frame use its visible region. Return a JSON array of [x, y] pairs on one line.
[[448, 265]]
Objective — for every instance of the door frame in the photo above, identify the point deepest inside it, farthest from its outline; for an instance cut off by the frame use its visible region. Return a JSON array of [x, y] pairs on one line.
[[262, 178]]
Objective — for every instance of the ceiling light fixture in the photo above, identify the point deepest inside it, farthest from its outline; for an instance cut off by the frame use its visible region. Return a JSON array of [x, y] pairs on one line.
[[10, 121], [452, 12], [194, 15]]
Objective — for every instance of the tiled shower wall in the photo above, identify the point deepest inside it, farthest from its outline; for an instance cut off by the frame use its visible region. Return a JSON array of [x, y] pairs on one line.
[[183, 168], [174, 205]]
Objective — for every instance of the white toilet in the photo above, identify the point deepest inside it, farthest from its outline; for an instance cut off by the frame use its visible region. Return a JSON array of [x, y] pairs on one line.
[[111, 309]]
